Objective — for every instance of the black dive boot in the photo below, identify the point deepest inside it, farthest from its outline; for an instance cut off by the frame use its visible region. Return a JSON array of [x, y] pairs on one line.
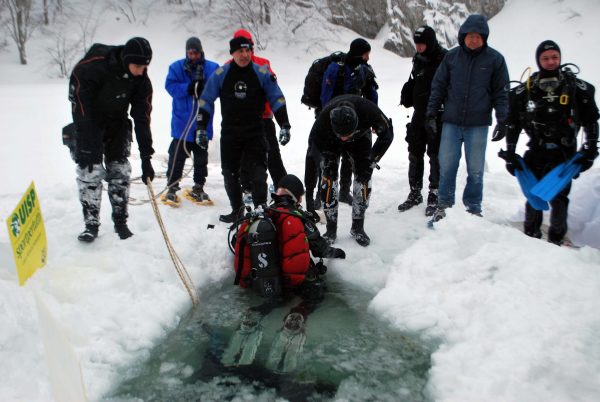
[[89, 234], [331, 233], [123, 231], [432, 203], [358, 232], [414, 198]]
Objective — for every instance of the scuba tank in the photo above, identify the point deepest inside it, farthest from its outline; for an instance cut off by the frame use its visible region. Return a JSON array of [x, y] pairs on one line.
[[264, 257]]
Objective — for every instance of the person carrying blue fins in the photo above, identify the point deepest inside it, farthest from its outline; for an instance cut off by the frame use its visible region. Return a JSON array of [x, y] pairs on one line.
[[551, 106]]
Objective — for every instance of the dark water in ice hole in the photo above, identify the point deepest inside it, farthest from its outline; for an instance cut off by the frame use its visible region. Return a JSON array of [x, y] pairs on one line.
[[344, 354]]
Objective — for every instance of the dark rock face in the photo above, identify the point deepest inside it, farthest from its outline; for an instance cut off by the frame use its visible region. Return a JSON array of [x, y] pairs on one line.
[[368, 17]]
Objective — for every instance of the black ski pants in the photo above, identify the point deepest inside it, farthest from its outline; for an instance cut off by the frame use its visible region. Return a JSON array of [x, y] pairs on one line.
[[178, 153], [245, 150], [419, 142], [274, 161]]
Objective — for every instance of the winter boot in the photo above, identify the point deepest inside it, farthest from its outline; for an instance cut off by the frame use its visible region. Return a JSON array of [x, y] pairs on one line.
[[89, 234], [345, 196], [357, 231], [536, 233], [439, 214], [432, 203], [331, 232], [197, 195], [123, 231], [230, 217], [171, 198], [414, 198]]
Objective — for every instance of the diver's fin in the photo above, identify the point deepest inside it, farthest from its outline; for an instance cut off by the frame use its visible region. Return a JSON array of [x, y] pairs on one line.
[[557, 179], [244, 343], [527, 181], [286, 349]]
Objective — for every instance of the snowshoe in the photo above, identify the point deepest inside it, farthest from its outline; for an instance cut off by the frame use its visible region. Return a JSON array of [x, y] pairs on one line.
[[89, 234], [198, 196], [242, 348], [170, 198], [414, 198]]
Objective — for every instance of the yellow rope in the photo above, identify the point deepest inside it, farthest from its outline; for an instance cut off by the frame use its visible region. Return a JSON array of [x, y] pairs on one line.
[[179, 267]]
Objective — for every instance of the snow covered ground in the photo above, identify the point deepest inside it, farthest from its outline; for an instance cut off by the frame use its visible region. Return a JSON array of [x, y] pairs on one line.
[[516, 318]]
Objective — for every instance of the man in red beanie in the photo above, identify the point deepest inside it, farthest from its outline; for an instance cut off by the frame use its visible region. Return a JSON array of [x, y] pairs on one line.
[[274, 161]]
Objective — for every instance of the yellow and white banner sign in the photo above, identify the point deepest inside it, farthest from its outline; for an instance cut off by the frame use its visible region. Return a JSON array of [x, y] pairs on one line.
[[28, 235]]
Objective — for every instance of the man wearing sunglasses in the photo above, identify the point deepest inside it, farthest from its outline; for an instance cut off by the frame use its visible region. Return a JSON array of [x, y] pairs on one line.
[[346, 125]]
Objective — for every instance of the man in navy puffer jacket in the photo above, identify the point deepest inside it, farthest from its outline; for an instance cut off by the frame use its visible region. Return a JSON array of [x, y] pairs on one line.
[[470, 82]]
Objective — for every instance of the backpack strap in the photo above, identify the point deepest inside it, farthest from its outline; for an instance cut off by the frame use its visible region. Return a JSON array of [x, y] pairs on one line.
[[240, 264]]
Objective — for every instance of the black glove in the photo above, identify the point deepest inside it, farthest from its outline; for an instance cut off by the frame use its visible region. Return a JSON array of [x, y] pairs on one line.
[[284, 135], [147, 171], [202, 138], [337, 253], [500, 131], [431, 126], [588, 154], [409, 133], [512, 160], [195, 89]]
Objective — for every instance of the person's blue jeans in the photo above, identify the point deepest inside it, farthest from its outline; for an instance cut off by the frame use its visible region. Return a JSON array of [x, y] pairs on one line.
[[475, 141]]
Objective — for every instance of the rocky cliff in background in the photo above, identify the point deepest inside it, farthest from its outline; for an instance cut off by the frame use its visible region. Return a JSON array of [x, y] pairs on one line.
[[368, 17]]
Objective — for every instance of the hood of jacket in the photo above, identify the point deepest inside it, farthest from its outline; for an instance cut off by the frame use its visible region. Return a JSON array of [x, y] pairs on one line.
[[474, 23]]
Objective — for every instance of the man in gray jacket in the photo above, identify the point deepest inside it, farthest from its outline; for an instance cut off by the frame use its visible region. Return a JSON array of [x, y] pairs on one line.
[[471, 80]]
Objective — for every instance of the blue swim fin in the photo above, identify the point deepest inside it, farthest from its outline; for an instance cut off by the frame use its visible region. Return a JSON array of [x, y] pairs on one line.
[[557, 179], [527, 181]]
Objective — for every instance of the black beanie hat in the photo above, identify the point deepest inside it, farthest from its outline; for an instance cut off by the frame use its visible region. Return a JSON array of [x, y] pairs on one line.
[[425, 35], [343, 120], [239, 43], [358, 47], [293, 184], [194, 44], [542, 47], [137, 51]]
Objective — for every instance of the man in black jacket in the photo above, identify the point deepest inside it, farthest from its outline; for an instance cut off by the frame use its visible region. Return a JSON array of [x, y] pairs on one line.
[[243, 87], [102, 87], [346, 125], [415, 93]]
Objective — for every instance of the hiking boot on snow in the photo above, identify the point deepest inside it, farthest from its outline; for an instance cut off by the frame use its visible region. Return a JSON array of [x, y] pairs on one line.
[[89, 234], [357, 231], [171, 198], [345, 197], [439, 214], [414, 198], [123, 231], [198, 195], [432, 203], [230, 217], [331, 233]]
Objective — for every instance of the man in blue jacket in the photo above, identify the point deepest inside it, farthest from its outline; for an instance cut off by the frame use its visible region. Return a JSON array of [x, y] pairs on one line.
[[243, 87], [185, 82], [470, 82]]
